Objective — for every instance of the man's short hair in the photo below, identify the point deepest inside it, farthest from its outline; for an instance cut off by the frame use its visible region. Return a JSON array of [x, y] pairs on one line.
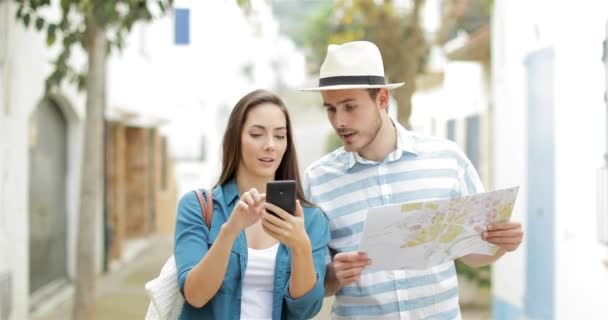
[[373, 92]]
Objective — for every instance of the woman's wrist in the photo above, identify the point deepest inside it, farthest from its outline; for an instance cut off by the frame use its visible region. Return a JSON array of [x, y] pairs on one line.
[[230, 230], [301, 247]]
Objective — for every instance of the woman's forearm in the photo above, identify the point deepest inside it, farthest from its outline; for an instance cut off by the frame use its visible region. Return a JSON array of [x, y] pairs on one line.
[[303, 275], [205, 279]]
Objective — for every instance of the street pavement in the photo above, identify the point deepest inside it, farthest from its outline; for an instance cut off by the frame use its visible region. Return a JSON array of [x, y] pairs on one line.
[[121, 294]]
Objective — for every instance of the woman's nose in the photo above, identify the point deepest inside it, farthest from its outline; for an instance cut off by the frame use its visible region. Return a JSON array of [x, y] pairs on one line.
[[270, 144]]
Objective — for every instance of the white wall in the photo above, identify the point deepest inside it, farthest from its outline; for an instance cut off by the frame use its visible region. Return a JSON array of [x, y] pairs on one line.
[[23, 69], [576, 32], [192, 88], [581, 284], [510, 141]]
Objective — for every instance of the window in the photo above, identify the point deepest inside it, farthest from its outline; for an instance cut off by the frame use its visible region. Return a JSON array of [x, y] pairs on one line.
[[452, 130], [182, 26], [473, 139]]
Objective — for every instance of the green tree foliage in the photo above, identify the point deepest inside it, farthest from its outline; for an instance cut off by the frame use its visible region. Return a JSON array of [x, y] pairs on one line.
[[332, 142], [74, 25], [480, 276]]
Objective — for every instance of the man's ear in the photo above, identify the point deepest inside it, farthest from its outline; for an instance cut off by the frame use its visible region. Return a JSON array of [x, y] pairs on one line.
[[382, 98]]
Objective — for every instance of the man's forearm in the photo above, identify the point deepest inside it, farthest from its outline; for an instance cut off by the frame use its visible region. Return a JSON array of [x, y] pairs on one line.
[[480, 260], [331, 282]]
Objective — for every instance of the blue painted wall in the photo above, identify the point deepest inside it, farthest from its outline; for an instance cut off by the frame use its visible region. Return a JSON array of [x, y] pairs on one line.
[[539, 300], [502, 310]]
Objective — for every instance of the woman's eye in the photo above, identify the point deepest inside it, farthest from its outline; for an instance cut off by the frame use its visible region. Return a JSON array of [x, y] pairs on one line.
[[255, 135], [280, 137]]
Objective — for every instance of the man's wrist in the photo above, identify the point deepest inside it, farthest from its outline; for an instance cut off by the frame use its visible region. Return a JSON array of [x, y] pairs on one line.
[[332, 285], [499, 253]]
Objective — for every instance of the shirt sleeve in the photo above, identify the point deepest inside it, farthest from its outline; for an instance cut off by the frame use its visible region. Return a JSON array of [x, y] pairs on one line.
[[310, 304], [470, 182], [306, 186], [191, 234]]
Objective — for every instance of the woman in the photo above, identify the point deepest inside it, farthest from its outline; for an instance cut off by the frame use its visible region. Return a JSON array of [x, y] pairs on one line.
[[252, 264]]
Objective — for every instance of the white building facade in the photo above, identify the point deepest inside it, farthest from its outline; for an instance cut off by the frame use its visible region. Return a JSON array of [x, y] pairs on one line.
[[549, 138], [40, 156], [182, 73]]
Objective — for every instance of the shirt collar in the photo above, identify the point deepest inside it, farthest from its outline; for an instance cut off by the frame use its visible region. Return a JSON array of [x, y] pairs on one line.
[[405, 143], [230, 191]]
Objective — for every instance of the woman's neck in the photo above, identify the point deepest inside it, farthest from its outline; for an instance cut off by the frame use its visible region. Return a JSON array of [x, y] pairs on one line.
[[244, 182]]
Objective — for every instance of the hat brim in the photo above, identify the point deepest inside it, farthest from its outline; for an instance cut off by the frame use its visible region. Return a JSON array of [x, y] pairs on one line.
[[355, 86]]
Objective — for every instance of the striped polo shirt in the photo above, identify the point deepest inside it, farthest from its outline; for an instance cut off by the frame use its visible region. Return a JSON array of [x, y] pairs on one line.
[[345, 185]]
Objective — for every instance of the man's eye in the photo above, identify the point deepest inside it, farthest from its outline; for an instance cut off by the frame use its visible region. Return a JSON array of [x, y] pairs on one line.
[[350, 107]]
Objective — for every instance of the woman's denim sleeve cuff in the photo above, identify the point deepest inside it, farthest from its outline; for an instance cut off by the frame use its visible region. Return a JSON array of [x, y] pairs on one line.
[[304, 302]]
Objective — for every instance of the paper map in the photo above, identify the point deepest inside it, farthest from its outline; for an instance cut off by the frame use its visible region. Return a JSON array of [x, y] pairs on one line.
[[418, 235]]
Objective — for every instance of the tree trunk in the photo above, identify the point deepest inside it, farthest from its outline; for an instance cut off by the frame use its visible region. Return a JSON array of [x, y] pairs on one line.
[[403, 96], [412, 56], [92, 174]]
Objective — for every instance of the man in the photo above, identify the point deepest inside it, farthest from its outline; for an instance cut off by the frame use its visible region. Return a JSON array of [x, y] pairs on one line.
[[383, 163]]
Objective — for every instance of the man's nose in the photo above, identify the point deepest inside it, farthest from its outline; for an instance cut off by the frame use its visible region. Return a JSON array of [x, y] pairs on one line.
[[340, 119]]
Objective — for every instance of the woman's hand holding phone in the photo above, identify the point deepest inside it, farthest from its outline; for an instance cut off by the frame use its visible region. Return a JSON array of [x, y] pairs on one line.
[[288, 229], [248, 210]]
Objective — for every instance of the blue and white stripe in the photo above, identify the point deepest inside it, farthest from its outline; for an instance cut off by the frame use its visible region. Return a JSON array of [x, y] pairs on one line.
[[346, 185]]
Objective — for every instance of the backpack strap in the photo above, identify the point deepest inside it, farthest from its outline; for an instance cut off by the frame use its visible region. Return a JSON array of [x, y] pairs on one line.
[[206, 207]]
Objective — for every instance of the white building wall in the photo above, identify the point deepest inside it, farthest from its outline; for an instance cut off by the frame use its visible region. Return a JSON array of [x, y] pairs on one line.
[[576, 32], [510, 141], [192, 88], [24, 65], [581, 277]]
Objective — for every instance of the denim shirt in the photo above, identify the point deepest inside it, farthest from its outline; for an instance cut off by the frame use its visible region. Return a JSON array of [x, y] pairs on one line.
[[193, 239]]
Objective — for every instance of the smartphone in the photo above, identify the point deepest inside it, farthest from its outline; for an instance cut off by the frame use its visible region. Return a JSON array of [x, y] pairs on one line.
[[282, 194]]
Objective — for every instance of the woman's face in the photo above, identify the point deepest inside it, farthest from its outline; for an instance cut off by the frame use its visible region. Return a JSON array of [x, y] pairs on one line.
[[263, 141]]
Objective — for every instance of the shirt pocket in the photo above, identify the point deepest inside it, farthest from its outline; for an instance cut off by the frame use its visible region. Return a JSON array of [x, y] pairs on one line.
[[232, 276]]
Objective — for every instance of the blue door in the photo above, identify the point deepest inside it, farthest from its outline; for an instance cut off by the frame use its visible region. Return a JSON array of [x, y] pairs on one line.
[[539, 296]]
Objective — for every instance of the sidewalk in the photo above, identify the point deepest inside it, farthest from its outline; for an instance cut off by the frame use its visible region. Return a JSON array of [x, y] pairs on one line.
[[121, 294]]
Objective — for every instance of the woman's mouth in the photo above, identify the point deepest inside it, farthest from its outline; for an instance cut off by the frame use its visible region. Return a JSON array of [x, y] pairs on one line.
[[266, 161]]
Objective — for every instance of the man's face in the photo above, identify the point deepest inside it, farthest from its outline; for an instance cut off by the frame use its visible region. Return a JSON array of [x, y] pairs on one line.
[[354, 115]]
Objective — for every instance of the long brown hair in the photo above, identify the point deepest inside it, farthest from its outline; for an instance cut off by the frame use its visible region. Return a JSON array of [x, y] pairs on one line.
[[231, 147]]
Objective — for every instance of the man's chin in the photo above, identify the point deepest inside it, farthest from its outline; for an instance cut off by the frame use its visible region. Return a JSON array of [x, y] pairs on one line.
[[350, 147]]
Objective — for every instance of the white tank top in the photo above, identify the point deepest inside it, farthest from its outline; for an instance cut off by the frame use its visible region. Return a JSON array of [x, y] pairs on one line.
[[258, 284]]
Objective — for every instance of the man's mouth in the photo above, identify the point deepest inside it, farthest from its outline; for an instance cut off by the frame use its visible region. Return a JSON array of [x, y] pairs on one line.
[[347, 134]]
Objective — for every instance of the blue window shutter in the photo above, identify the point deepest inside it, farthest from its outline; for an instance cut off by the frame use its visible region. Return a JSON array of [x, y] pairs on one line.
[[473, 139], [451, 130], [182, 26]]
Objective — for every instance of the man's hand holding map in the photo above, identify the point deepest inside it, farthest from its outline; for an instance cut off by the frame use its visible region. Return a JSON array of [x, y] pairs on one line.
[[422, 234]]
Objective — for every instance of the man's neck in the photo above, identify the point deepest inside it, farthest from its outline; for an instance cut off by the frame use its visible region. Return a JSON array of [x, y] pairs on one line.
[[384, 143]]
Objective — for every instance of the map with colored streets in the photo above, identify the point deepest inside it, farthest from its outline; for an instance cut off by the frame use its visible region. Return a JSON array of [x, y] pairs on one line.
[[419, 235]]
